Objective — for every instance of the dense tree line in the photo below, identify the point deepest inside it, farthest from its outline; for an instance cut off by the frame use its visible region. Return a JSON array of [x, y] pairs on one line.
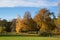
[[44, 21]]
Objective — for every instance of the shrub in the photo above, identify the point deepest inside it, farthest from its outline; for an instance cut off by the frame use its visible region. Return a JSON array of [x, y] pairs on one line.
[[45, 34]]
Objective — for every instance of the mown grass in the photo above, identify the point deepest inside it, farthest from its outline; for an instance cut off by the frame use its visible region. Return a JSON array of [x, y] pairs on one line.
[[28, 38]]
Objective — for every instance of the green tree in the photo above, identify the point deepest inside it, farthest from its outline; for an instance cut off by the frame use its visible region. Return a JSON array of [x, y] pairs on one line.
[[3, 24], [2, 29], [8, 27]]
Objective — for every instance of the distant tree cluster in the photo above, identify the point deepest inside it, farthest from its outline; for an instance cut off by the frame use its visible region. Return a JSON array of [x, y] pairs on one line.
[[44, 21]]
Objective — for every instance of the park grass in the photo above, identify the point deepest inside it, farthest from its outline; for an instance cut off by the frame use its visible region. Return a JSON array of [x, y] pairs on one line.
[[28, 38]]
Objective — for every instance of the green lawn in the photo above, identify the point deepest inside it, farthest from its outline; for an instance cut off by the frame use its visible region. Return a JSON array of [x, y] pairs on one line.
[[28, 38]]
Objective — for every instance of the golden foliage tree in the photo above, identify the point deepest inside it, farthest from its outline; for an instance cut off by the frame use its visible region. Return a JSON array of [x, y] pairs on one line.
[[44, 20], [18, 24], [57, 22], [27, 23]]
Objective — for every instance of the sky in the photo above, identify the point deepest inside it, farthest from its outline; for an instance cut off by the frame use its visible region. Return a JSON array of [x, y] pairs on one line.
[[9, 9]]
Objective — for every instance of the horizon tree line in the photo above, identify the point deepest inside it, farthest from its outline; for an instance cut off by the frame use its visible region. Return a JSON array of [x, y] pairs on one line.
[[43, 21]]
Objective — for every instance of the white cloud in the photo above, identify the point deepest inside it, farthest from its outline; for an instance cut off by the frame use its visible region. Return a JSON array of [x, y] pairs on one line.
[[26, 3]]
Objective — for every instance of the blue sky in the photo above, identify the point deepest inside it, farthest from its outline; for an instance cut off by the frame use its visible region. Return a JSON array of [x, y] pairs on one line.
[[9, 9]]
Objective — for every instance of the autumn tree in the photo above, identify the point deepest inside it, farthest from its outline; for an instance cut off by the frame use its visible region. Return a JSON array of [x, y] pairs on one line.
[[27, 23], [43, 20], [57, 22], [18, 24], [40, 18], [13, 25]]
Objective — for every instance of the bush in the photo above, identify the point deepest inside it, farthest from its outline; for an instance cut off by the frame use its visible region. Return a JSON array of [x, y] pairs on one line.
[[2, 29], [45, 34]]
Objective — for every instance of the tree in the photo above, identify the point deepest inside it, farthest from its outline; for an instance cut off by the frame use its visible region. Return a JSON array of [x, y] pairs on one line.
[[44, 20], [40, 17], [8, 27], [13, 25], [3, 24], [18, 24], [59, 15], [2, 29], [57, 22], [28, 24]]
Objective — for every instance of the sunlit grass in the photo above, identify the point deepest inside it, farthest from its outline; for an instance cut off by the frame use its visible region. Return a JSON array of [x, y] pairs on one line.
[[28, 38]]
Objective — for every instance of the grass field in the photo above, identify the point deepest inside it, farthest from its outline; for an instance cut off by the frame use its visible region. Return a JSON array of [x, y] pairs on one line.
[[28, 38]]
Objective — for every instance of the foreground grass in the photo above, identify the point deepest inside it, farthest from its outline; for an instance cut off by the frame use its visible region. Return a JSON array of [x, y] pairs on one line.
[[28, 38]]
